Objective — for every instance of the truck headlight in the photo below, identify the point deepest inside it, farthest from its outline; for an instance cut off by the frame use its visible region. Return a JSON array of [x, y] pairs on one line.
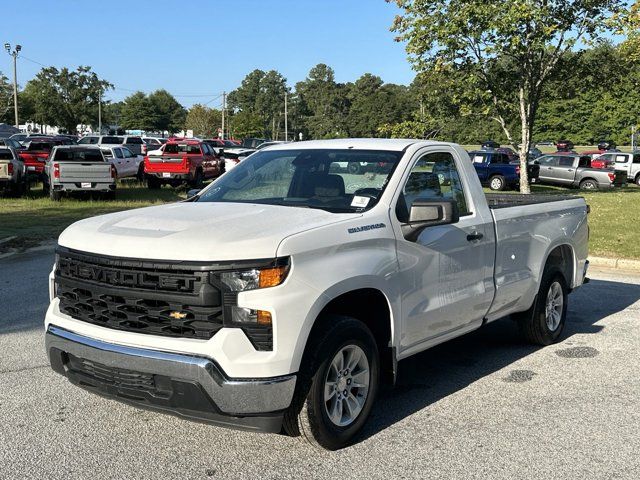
[[242, 280]]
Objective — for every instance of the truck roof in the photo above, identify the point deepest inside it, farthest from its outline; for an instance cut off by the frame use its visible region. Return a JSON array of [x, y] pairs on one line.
[[391, 144]]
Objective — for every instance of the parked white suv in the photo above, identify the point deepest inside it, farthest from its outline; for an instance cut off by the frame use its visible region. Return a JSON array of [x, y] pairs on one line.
[[283, 294]]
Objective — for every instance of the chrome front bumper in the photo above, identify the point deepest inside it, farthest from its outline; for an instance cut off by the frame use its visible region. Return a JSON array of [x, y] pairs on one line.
[[189, 386]]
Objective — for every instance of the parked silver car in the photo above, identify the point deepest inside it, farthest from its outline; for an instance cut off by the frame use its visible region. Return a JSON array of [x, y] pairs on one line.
[[79, 168], [573, 170], [13, 175]]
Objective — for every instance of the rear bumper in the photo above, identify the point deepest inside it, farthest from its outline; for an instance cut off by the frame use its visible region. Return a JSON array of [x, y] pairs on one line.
[[188, 386], [169, 176], [77, 187]]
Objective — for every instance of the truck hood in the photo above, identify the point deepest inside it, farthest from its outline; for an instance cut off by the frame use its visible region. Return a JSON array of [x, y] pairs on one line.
[[192, 231]]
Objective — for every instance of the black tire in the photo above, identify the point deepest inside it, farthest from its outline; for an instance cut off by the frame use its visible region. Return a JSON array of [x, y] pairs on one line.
[[55, 195], [638, 180], [153, 183], [588, 184], [197, 180], [497, 183], [308, 416], [140, 174], [45, 186], [353, 167], [533, 323], [111, 195]]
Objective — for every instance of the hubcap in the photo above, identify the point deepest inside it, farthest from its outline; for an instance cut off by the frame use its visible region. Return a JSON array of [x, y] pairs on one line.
[[496, 183], [346, 385], [554, 306]]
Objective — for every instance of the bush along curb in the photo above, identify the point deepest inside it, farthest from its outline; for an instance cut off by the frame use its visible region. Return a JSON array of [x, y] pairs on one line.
[[617, 263]]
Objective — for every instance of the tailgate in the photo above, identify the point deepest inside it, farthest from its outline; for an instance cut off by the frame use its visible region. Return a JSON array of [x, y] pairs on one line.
[[4, 170], [82, 172], [166, 163]]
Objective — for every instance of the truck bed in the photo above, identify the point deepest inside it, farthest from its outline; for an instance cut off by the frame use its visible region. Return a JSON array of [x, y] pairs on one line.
[[506, 200]]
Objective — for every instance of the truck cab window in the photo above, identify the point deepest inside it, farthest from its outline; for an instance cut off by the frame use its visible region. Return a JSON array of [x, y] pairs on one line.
[[434, 176]]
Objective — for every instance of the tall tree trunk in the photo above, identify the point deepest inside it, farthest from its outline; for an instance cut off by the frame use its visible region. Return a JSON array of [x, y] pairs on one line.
[[525, 142]]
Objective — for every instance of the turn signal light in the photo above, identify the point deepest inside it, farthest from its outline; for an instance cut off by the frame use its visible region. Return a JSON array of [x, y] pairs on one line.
[[264, 318], [272, 277], [56, 170]]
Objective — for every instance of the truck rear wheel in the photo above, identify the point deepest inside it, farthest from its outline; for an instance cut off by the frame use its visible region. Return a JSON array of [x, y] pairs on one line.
[[153, 183], [197, 180], [638, 180], [497, 182], [588, 184], [337, 385], [54, 194], [543, 323]]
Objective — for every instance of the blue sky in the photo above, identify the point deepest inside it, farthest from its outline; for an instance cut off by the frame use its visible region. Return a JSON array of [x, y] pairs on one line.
[[204, 47]]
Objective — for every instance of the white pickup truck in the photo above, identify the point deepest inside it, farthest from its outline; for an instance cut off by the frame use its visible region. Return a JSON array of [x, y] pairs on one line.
[[627, 162], [284, 293]]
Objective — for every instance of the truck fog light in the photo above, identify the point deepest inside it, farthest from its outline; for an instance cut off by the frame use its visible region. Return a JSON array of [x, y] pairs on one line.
[[250, 316]]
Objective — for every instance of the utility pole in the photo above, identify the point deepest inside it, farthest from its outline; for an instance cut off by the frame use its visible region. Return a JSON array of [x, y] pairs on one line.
[[224, 106], [14, 54], [100, 112], [286, 120]]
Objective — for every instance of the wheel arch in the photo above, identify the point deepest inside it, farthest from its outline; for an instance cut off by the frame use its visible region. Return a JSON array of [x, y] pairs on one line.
[[371, 306], [563, 256]]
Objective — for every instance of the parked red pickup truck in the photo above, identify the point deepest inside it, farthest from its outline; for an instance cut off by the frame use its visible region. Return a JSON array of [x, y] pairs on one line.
[[35, 154], [189, 161]]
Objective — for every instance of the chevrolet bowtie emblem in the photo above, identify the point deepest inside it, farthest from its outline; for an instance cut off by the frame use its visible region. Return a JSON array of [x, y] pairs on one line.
[[177, 315]]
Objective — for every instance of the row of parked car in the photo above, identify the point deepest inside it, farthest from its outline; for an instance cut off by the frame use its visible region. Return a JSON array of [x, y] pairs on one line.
[[499, 167], [96, 162]]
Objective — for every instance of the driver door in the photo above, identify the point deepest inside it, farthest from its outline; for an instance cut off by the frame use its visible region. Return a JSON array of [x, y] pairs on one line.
[[446, 273]]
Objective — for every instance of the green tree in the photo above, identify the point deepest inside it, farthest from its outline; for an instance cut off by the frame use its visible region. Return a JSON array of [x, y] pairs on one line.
[[169, 114], [138, 113], [203, 121], [244, 124], [6, 100], [66, 97], [501, 52], [324, 102]]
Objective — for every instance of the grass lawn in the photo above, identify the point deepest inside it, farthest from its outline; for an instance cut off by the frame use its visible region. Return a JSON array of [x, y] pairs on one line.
[[615, 230], [36, 218]]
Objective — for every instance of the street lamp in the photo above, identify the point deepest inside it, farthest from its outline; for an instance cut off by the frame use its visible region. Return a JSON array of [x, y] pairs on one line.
[[14, 54]]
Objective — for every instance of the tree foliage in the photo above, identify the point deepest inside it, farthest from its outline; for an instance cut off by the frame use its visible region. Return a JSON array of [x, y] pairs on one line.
[[204, 121], [65, 97], [500, 53]]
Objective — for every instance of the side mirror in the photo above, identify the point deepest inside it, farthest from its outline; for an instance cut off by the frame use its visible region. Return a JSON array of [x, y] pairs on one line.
[[427, 212]]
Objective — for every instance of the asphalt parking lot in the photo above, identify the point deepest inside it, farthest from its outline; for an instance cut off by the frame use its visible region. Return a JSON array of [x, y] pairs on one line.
[[482, 406]]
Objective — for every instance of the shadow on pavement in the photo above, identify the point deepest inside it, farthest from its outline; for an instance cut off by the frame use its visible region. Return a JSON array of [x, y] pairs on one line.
[[430, 376]]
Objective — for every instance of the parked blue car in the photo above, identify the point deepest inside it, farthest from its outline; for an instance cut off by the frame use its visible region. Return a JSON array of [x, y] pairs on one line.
[[496, 171]]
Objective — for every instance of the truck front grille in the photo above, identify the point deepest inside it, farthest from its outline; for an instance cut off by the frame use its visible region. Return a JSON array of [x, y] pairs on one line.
[[118, 378], [170, 299], [122, 311]]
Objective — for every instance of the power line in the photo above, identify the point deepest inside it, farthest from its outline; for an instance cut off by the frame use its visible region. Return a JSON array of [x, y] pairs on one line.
[[122, 89]]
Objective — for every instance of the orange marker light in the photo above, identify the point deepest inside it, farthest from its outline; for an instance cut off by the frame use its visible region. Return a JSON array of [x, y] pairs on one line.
[[271, 277], [264, 318]]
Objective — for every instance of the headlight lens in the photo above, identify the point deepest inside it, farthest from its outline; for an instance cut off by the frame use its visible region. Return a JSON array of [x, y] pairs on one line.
[[242, 280]]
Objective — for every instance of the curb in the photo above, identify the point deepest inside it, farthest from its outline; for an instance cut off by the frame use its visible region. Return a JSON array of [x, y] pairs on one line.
[[49, 245], [615, 263]]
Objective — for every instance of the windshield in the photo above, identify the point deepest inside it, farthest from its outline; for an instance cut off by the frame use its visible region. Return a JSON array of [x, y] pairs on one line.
[[332, 180]]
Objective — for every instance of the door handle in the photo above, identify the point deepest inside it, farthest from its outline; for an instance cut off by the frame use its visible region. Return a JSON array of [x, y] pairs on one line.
[[570, 170], [472, 237]]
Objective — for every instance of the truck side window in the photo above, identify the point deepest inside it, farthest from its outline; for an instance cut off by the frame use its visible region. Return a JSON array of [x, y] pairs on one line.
[[435, 176], [621, 159], [636, 158], [565, 162]]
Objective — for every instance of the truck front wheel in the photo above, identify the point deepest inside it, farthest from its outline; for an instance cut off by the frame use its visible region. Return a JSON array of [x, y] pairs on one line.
[[542, 324], [337, 385]]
